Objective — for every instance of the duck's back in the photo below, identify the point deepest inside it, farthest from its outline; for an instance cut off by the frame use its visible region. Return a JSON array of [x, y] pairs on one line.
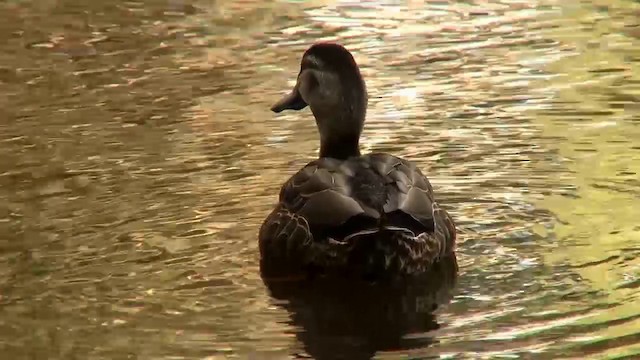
[[372, 211]]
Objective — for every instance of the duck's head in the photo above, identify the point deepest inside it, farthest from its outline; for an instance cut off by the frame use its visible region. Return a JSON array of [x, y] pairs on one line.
[[330, 83]]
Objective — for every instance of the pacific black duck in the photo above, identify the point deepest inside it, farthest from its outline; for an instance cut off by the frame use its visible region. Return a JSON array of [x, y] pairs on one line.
[[370, 215]]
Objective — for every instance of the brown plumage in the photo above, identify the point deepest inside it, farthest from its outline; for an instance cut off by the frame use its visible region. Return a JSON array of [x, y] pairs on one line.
[[371, 215]]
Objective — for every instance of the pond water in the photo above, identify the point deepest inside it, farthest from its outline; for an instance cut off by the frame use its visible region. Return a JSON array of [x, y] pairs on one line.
[[139, 157]]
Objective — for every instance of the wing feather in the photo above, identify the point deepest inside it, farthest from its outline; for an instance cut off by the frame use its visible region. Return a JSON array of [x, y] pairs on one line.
[[321, 193], [408, 190], [329, 192]]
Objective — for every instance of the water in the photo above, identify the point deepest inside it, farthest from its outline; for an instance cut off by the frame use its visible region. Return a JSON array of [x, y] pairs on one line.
[[139, 159]]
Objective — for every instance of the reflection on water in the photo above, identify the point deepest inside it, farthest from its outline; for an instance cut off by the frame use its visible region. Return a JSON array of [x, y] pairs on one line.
[[139, 158], [353, 320]]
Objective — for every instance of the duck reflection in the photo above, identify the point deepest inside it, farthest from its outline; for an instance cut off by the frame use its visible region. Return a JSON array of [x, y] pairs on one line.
[[339, 318]]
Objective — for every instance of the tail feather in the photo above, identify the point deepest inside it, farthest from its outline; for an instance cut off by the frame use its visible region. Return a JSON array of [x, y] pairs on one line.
[[287, 245], [394, 252]]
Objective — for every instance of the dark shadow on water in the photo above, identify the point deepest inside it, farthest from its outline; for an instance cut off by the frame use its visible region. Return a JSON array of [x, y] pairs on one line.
[[346, 319]]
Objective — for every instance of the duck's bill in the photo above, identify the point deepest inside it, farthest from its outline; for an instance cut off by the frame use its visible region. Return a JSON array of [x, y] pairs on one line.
[[293, 101]]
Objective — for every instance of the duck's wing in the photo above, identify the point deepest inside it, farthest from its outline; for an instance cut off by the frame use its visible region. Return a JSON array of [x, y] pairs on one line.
[[377, 189], [329, 204], [407, 189], [322, 193], [283, 237], [287, 246], [409, 192], [316, 200]]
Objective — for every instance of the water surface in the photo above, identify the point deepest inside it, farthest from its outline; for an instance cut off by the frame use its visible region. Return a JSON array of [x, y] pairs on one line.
[[139, 159]]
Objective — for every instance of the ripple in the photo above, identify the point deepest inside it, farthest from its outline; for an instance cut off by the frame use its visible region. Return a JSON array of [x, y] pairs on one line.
[[140, 158]]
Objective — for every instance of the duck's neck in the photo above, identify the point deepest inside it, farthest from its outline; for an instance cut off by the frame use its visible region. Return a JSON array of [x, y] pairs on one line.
[[340, 136], [340, 146]]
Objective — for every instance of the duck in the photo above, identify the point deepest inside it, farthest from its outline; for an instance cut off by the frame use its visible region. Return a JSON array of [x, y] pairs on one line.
[[371, 216]]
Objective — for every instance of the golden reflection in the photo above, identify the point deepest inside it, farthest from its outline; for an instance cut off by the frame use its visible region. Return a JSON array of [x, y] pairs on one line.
[[139, 157]]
